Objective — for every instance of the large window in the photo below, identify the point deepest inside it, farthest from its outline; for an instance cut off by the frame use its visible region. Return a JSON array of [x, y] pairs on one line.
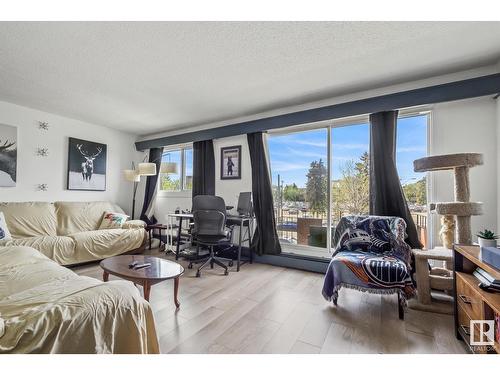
[[320, 175], [176, 171]]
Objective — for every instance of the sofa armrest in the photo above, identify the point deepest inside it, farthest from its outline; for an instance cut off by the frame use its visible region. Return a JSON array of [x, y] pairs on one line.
[[134, 224]]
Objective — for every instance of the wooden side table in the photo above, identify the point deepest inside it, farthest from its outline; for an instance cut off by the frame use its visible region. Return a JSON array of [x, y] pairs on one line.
[[160, 270]]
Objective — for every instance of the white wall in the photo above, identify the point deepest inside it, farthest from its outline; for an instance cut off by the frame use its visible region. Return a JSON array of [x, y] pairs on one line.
[[230, 189], [467, 126], [33, 170]]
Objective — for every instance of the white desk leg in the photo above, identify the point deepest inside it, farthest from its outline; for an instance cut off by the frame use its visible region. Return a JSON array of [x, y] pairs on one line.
[[170, 229]]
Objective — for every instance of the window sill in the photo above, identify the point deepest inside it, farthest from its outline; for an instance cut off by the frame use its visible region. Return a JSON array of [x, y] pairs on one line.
[[306, 257], [300, 262], [309, 252], [175, 194]]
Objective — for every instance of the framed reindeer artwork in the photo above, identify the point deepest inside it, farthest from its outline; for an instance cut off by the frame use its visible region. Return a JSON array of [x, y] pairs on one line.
[[86, 165], [8, 155]]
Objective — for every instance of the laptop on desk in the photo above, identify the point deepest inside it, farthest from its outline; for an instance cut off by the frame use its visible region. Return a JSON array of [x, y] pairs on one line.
[[244, 207]]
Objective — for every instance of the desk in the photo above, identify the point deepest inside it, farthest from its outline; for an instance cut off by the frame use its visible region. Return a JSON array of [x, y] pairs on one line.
[[171, 224], [241, 221]]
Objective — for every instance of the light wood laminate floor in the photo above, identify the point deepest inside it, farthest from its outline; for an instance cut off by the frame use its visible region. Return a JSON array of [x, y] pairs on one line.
[[268, 309]]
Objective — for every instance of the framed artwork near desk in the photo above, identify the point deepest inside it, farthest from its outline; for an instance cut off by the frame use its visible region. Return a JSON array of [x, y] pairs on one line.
[[230, 163]]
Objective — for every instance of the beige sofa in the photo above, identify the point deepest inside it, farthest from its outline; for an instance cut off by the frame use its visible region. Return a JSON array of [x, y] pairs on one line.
[[67, 232], [46, 308]]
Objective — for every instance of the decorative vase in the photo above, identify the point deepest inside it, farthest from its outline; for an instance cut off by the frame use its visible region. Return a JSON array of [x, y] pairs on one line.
[[483, 242]]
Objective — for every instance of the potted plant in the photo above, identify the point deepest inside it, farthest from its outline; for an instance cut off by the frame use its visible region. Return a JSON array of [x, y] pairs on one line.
[[487, 238]]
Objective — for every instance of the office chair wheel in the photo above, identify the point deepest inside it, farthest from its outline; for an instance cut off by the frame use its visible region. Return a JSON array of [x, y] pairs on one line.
[[198, 274], [212, 265], [230, 263], [226, 272], [190, 265]]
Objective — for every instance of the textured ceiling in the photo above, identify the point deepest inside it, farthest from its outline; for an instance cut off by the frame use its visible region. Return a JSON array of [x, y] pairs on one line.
[[146, 77]]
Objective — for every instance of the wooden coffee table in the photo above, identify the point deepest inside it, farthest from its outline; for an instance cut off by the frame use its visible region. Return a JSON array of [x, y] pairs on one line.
[[160, 270]]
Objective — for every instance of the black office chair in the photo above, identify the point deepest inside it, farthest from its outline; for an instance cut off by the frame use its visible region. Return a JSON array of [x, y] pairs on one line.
[[209, 214]]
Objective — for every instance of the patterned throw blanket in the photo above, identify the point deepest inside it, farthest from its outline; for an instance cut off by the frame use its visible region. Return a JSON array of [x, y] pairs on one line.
[[370, 255]]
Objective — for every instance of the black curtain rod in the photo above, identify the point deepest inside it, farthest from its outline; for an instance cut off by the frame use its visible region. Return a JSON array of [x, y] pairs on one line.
[[469, 88]]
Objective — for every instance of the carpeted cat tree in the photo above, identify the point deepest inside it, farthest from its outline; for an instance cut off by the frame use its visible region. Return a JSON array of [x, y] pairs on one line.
[[455, 214]]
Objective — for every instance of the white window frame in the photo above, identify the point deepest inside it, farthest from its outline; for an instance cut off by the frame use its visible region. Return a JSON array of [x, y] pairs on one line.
[[182, 193]]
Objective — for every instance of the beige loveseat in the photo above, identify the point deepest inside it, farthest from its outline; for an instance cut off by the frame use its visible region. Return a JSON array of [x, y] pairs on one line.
[[67, 232]]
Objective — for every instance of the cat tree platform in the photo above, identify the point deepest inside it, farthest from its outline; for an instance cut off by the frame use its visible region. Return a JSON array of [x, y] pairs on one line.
[[457, 208], [447, 162]]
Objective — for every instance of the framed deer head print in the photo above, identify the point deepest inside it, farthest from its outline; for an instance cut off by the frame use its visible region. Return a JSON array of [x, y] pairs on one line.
[[86, 165], [8, 155]]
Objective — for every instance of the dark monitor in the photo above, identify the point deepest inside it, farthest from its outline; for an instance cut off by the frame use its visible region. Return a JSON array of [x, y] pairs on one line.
[[245, 204]]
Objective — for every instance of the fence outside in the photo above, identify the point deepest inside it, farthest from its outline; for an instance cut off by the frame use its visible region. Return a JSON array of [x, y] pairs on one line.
[[297, 226]]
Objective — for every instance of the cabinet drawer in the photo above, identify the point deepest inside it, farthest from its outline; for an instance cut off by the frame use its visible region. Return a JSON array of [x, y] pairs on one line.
[[464, 325], [463, 320], [469, 299]]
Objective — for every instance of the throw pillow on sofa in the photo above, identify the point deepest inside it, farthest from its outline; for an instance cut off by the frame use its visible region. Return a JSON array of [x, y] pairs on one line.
[[4, 231], [113, 220]]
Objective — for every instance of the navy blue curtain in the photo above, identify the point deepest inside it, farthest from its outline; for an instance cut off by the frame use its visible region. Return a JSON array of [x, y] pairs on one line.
[[151, 185], [203, 168], [265, 239], [386, 193]]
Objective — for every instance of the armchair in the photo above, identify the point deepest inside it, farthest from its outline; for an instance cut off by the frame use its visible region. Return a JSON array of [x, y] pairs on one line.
[[370, 255]]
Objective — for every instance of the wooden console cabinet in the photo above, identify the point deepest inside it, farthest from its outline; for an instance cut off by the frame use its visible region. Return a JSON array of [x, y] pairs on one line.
[[471, 302]]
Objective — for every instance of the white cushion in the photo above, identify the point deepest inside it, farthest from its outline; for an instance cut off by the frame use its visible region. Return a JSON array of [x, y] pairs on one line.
[[4, 231], [113, 220]]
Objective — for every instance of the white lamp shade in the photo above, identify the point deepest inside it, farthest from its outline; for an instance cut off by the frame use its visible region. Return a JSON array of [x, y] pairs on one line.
[[131, 175], [146, 169], [169, 167]]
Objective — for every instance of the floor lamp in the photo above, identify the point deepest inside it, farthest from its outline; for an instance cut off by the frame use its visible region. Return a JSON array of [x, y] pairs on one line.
[[134, 175]]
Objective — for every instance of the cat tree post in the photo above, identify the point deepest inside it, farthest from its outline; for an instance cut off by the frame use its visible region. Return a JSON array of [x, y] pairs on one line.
[[462, 194]]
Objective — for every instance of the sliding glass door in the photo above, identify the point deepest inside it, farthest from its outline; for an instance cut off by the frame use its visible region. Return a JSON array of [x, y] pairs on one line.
[[299, 165], [350, 162], [322, 174]]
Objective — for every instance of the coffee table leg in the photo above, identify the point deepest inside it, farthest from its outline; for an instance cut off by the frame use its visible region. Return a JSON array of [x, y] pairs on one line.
[[176, 290], [147, 289], [105, 276]]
